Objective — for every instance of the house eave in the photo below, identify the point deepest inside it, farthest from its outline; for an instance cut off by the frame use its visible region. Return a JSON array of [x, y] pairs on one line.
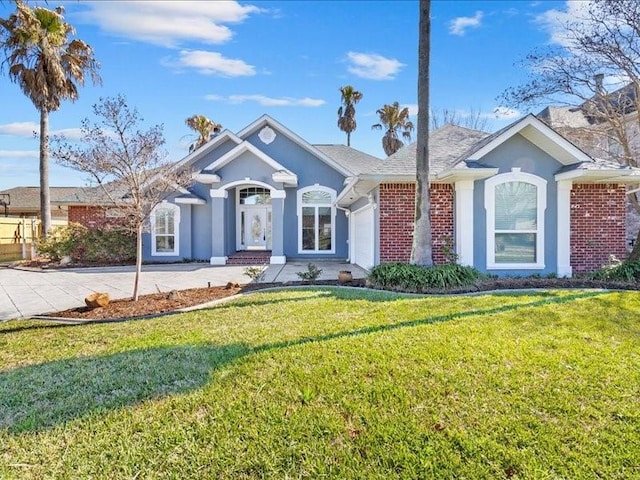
[[455, 175], [600, 176], [287, 178], [206, 178], [348, 194], [190, 201]]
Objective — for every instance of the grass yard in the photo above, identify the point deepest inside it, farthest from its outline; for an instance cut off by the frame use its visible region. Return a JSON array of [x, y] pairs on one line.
[[316, 383]]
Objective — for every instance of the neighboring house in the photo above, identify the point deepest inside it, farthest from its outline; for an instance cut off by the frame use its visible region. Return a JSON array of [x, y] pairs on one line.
[[25, 201], [521, 201], [90, 207], [595, 126]]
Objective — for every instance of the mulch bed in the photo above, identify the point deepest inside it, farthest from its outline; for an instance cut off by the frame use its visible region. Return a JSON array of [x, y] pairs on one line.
[[160, 303]]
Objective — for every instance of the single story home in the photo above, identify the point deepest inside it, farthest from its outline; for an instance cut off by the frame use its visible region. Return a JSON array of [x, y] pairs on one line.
[[25, 201], [521, 201]]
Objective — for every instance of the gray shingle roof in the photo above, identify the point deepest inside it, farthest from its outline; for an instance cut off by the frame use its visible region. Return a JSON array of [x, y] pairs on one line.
[[446, 145], [28, 198], [597, 165], [353, 160]]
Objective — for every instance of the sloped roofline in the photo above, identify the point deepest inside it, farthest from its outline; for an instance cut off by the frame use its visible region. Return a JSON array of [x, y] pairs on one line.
[[239, 150], [544, 137], [268, 120], [198, 153]]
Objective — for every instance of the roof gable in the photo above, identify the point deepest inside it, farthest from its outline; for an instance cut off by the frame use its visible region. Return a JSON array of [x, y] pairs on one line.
[[239, 150], [280, 174], [538, 133], [265, 120]]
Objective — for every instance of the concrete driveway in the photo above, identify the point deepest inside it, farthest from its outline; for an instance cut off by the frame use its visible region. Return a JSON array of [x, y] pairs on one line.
[[24, 293]]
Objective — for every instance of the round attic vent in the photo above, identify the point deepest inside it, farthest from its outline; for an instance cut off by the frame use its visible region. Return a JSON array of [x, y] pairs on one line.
[[267, 135]]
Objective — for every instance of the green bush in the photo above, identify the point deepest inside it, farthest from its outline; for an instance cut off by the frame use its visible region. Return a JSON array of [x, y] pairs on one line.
[[311, 274], [84, 245], [414, 278], [616, 270]]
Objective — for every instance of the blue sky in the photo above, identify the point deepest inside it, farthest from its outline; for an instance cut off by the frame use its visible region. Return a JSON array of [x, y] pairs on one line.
[[234, 61]]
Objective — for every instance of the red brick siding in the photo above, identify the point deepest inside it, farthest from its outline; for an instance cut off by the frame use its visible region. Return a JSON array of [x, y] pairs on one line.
[[597, 225], [442, 220], [397, 207], [89, 216]]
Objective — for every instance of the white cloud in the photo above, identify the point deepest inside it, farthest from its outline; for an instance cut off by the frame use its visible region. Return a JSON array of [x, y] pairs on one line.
[[268, 101], [211, 63], [373, 66], [505, 113], [20, 129], [168, 23], [459, 25], [413, 108], [69, 133], [553, 21], [19, 154], [32, 129]]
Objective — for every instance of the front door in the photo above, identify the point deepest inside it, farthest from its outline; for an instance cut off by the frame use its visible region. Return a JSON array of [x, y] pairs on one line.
[[255, 228]]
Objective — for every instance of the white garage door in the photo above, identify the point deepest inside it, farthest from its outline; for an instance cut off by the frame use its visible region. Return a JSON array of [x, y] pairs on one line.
[[363, 237]]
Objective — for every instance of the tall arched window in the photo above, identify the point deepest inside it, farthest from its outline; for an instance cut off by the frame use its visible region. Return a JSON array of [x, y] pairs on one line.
[[316, 219], [515, 204], [165, 231]]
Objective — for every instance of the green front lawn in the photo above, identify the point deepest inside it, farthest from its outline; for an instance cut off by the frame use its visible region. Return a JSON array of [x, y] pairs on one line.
[[313, 383]]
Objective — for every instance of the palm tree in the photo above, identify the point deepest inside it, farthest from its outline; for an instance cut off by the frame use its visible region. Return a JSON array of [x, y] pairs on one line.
[[347, 111], [204, 127], [48, 67], [421, 253], [394, 120]]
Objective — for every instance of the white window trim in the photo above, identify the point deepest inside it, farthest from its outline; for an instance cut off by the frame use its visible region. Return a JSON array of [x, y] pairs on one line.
[[176, 225], [489, 204], [317, 187]]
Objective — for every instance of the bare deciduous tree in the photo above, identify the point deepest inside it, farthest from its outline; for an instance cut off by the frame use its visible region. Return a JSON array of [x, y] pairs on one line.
[[597, 73], [127, 163], [473, 119]]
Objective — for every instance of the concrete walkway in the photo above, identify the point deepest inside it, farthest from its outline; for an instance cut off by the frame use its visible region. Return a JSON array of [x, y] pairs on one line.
[[24, 293]]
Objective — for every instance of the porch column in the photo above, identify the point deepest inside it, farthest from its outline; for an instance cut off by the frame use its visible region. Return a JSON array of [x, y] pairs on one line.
[[564, 229], [218, 200], [464, 222], [277, 227]]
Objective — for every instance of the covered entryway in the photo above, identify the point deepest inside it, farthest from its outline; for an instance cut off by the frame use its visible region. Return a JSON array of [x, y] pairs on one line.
[[254, 222], [362, 237]]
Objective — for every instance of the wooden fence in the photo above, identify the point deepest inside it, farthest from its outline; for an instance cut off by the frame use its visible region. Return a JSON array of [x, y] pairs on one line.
[[15, 251], [17, 236]]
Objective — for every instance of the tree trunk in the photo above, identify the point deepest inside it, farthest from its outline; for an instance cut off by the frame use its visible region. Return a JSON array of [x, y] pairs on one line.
[[421, 253], [635, 251], [136, 281], [45, 194], [634, 256], [348, 139]]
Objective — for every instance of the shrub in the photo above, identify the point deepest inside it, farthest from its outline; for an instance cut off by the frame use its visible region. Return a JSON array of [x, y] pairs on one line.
[[415, 278], [255, 273], [61, 241], [616, 270], [108, 245], [312, 273]]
